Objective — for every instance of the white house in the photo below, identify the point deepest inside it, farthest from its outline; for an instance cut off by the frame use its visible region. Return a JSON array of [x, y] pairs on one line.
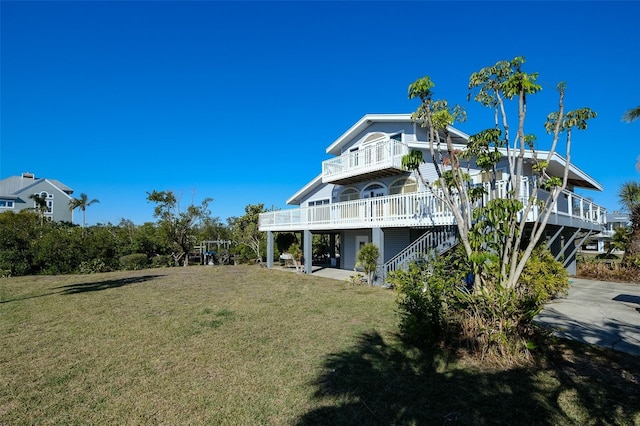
[[363, 195]]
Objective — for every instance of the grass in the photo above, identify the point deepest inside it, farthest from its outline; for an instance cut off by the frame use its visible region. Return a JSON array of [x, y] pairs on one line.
[[244, 345]]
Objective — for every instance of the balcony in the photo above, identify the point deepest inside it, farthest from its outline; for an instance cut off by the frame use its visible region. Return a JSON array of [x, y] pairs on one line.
[[421, 209], [376, 159]]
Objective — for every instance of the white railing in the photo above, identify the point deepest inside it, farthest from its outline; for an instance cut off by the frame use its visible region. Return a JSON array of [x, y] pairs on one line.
[[432, 242], [417, 209], [386, 153]]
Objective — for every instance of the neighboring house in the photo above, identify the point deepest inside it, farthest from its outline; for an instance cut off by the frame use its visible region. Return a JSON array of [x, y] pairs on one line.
[[15, 192], [599, 241], [363, 195]]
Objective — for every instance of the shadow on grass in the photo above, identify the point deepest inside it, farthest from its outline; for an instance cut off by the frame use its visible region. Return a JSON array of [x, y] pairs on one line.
[[381, 383], [105, 285], [86, 287]]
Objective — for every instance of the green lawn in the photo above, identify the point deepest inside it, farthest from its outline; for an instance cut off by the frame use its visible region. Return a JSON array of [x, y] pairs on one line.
[[245, 345]]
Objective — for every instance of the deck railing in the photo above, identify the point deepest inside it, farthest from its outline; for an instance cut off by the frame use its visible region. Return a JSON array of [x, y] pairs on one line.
[[417, 209], [374, 156]]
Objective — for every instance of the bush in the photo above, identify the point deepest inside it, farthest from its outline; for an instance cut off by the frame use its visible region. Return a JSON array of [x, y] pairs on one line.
[[93, 266], [368, 261], [161, 261], [427, 297], [543, 277], [608, 271], [437, 306], [134, 261]]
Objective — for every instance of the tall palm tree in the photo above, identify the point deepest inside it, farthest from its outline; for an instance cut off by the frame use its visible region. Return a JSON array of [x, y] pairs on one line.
[[631, 114], [40, 206], [82, 203], [629, 197]]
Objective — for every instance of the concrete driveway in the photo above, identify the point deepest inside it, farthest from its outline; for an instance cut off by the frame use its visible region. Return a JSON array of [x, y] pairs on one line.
[[597, 312]]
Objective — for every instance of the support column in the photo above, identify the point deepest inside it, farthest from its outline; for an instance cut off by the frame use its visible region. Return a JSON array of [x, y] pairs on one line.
[[307, 243], [269, 249], [332, 249], [377, 238]]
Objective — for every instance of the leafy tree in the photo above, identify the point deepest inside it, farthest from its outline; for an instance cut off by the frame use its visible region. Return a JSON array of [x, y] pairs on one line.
[[629, 197], [245, 230], [178, 226], [493, 235], [82, 203], [631, 114]]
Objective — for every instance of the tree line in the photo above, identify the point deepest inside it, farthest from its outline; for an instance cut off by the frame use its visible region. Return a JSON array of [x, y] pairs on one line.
[[30, 245]]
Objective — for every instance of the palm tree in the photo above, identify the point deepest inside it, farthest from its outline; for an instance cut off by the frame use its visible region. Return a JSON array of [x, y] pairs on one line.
[[631, 114], [629, 197], [40, 205], [82, 202]]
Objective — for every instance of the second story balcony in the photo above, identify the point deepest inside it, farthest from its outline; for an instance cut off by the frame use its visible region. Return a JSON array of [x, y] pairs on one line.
[[424, 209], [375, 159]]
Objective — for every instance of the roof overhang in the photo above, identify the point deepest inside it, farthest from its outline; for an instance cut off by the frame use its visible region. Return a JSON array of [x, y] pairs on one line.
[[336, 147], [297, 198]]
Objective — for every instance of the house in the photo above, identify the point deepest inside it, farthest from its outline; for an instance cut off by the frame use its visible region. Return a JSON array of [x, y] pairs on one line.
[[599, 242], [363, 195], [16, 190]]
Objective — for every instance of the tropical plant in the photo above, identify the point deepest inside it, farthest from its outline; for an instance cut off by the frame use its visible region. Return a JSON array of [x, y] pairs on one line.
[[368, 257], [40, 206], [82, 203], [629, 198], [631, 114], [494, 236]]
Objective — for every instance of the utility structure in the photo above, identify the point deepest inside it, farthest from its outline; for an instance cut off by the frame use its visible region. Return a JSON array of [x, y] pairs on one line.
[[206, 251]]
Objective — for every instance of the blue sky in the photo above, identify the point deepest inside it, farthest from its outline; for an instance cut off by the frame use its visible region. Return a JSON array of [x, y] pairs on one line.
[[238, 101]]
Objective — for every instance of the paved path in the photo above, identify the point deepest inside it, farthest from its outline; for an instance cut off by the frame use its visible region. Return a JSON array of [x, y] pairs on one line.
[[597, 312]]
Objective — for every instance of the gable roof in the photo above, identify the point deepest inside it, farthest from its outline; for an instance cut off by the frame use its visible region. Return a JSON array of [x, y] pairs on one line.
[[11, 186], [336, 147]]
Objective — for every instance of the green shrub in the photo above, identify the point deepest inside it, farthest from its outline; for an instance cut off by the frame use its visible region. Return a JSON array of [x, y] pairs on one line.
[[437, 305], [368, 261], [295, 251], [161, 261], [93, 266], [134, 261], [427, 297], [543, 277]]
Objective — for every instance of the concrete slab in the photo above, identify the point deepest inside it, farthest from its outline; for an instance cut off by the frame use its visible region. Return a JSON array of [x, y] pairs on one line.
[[601, 313], [334, 273]]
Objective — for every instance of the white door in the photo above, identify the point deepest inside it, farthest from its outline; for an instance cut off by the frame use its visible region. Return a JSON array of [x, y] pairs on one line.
[[361, 240]]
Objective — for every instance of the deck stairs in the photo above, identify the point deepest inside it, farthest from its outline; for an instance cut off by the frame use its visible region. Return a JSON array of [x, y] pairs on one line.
[[431, 243]]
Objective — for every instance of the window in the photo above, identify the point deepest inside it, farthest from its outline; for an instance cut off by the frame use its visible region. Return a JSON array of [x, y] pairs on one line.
[[6, 204], [318, 202], [396, 137], [349, 194], [403, 186]]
